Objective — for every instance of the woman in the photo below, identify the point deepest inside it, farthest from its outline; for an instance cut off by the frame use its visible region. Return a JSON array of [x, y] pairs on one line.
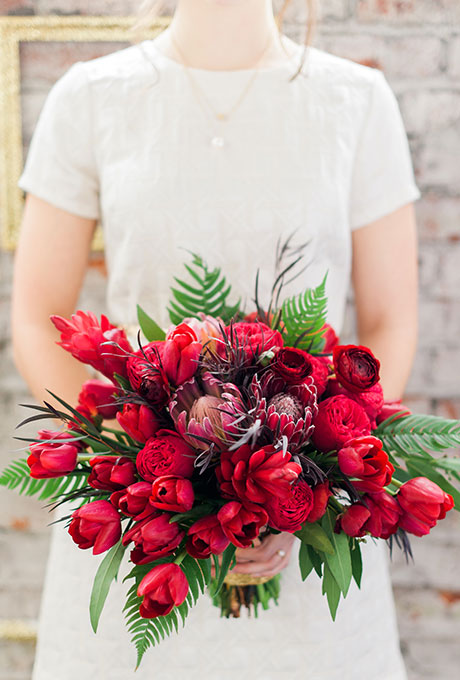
[[199, 139]]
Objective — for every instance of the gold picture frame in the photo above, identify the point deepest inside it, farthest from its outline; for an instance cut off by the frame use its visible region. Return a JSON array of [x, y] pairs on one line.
[[52, 28]]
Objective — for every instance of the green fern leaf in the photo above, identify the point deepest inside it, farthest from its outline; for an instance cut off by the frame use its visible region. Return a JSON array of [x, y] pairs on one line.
[[303, 317], [208, 294], [419, 434]]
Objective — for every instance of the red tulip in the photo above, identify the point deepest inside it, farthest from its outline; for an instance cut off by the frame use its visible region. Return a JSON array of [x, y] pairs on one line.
[[241, 523], [390, 408], [153, 537], [377, 515], [423, 503], [97, 398], [181, 353], [205, 537], [134, 501], [172, 493], [163, 588], [95, 525], [111, 473], [364, 459], [53, 459], [353, 520], [138, 421], [83, 336]]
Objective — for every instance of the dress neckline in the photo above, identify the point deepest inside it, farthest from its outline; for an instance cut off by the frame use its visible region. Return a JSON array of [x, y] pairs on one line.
[[290, 63]]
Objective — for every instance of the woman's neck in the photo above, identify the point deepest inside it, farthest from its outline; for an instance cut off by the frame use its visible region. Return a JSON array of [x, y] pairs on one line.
[[224, 34]]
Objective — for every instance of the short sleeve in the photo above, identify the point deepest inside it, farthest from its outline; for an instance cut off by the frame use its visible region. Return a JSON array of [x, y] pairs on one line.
[[383, 176], [61, 166]]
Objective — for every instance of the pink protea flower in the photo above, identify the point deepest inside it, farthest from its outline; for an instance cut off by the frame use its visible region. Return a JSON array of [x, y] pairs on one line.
[[207, 413], [285, 411], [84, 336]]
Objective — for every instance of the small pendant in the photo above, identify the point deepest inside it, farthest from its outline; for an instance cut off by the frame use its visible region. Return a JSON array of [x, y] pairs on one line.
[[221, 116], [218, 142]]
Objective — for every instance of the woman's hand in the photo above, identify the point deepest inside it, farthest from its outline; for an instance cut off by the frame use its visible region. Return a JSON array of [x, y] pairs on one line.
[[264, 559]]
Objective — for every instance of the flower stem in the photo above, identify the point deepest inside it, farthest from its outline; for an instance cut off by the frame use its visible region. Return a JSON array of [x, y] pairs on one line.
[[84, 458], [180, 556], [396, 483]]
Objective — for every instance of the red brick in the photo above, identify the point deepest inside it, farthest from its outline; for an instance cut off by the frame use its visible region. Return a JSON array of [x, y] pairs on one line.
[[437, 216], [17, 7], [408, 11]]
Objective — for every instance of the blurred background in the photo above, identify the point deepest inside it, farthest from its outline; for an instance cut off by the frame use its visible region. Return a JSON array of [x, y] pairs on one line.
[[416, 43]]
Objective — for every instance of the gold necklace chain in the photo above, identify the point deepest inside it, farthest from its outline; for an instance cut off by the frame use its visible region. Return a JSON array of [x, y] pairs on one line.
[[220, 115]]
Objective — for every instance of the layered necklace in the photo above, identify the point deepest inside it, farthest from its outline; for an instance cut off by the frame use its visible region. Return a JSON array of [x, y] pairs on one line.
[[217, 140]]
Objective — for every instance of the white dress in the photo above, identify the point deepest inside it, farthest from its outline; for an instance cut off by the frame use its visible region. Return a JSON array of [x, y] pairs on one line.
[[122, 138]]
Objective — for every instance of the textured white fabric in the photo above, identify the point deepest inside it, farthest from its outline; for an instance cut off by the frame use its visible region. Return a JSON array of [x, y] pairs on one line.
[[122, 138]]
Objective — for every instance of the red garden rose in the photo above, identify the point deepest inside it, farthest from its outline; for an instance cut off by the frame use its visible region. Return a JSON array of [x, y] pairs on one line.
[[295, 366], [338, 420], [253, 339], [153, 538], [321, 494], [291, 513], [181, 352], [171, 493], [241, 523], [138, 421], [163, 588], [134, 501], [256, 476], [95, 525], [111, 473], [364, 459], [423, 503], [84, 337], [356, 368], [53, 458], [371, 400], [146, 375], [165, 454], [205, 537], [390, 408], [97, 398]]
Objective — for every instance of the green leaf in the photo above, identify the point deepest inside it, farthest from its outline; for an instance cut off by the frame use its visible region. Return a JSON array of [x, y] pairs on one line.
[[418, 434], [314, 535], [303, 317], [106, 573], [227, 557], [356, 561], [340, 561], [305, 563], [331, 590], [317, 560], [151, 330]]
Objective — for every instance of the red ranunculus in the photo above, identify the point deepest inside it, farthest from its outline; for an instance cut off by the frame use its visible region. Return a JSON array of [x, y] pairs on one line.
[[256, 476], [163, 588], [165, 454], [338, 420], [253, 339], [205, 537], [241, 523], [95, 525], [321, 494], [423, 503], [390, 408], [172, 493], [146, 374], [153, 538], [371, 400], [291, 513], [181, 353], [138, 421], [356, 368], [111, 473], [55, 458], [83, 336], [97, 398], [364, 459], [295, 366], [134, 501]]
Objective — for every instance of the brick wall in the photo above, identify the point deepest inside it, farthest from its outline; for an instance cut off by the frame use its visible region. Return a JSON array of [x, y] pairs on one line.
[[417, 45]]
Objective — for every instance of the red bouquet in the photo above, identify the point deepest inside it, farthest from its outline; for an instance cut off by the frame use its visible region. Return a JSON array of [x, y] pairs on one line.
[[233, 426]]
